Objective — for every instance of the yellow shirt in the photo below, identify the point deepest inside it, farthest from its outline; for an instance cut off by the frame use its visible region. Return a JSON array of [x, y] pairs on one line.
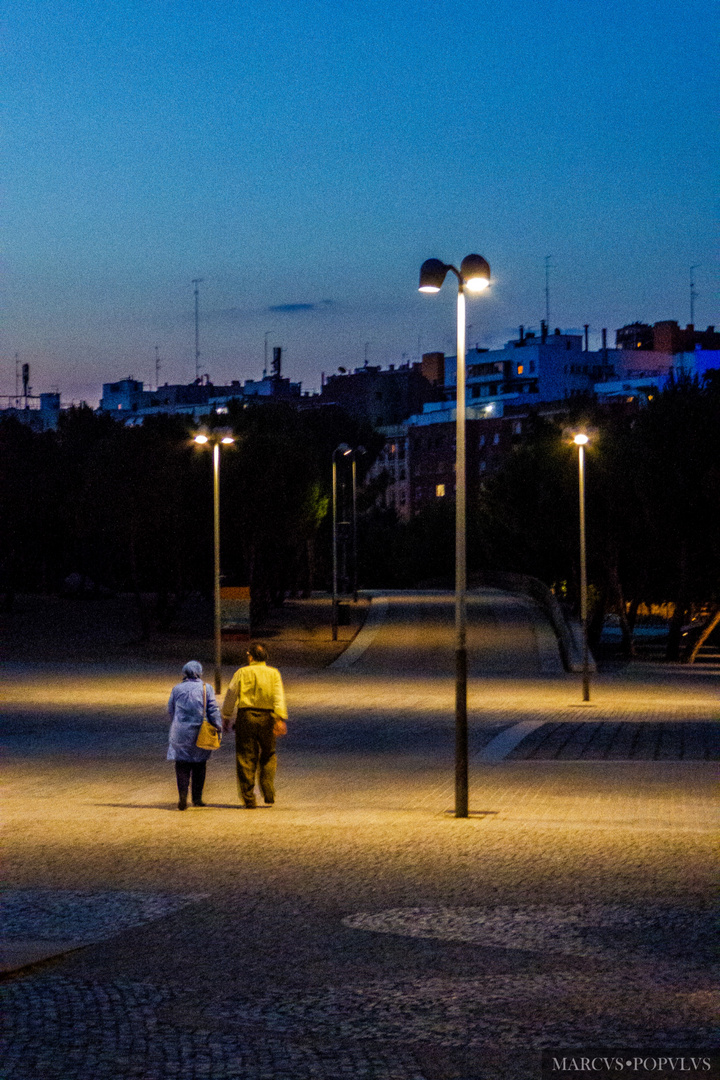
[[256, 686]]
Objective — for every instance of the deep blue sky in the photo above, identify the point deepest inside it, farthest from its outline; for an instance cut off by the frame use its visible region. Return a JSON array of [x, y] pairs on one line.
[[315, 153]]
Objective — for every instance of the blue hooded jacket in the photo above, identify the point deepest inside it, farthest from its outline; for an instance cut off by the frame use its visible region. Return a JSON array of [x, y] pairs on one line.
[[186, 712]]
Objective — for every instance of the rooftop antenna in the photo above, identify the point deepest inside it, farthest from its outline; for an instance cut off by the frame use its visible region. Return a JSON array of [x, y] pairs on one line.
[[17, 379], [367, 343], [157, 367], [265, 367], [196, 282], [693, 293], [548, 264]]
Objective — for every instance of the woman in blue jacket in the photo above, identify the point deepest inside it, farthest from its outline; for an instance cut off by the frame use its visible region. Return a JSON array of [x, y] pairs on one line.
[[190, 701]]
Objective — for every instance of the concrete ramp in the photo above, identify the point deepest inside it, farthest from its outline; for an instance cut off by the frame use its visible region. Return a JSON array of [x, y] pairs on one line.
[[414, 631]]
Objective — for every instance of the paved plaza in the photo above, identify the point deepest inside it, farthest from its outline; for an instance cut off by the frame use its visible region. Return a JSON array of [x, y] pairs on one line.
[[356, 928]]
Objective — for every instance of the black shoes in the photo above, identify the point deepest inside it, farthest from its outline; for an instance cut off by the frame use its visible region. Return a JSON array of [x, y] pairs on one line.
[[182, 803], [199, 803]]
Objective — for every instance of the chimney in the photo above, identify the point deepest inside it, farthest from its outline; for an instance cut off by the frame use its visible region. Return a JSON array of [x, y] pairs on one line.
[[586, 327], [543, 331], [522, 334]]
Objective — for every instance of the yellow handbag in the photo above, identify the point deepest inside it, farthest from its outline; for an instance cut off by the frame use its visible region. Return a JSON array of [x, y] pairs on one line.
[[208, 736]]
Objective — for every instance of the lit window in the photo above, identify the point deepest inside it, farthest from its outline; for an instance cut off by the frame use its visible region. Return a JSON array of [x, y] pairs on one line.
[[440, 490], [521, 368], [496, 438]]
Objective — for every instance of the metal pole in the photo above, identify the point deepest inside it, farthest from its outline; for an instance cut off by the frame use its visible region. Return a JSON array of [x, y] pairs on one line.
[[354, 528], [693, 293], [196, 282], [334, 550], [216, 564], [547, 291], [461, 725], [583, 577]]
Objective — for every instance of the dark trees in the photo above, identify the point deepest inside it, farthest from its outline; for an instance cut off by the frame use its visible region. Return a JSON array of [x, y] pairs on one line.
[[653, 491]]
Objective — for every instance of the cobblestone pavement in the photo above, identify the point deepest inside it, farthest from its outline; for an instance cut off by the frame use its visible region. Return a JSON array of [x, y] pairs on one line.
[[356, 928]]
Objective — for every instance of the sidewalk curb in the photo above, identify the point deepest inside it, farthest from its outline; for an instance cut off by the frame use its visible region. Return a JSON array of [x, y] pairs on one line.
[[17, 955], [364, 639]]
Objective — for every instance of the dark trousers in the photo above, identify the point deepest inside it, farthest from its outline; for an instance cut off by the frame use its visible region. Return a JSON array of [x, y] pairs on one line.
[[185, 771], [255, 751]]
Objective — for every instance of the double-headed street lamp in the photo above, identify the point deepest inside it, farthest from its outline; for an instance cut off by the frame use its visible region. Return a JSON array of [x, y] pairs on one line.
[[356, 451], [473, 276], [216, 439], [343, 450], [581, 440]]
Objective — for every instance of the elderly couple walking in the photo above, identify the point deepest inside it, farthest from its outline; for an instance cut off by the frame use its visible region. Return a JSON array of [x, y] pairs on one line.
[[256, 691]]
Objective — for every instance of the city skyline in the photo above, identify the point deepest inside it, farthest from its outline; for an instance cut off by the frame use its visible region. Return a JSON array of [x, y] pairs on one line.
[[304, 160]]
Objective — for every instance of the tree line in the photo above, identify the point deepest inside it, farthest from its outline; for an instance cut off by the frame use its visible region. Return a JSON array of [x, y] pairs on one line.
[[129, 508], [652, 496], [106, 506]]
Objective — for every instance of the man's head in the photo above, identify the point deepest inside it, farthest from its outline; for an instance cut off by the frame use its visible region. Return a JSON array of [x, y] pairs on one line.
[[257, 652]]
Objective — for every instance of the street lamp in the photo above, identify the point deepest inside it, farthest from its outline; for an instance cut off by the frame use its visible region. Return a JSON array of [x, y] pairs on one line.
[[473, 276], [356, 451], [343, 449], [581, 440], [216, 439]]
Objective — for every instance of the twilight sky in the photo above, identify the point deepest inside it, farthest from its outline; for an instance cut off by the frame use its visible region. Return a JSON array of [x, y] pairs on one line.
[[304, 157]]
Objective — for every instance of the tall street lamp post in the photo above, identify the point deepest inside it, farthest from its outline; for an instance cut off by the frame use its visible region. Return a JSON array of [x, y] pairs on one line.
[[216, 440], [473, 276], [356, 451], [581, 440], [343, 449]]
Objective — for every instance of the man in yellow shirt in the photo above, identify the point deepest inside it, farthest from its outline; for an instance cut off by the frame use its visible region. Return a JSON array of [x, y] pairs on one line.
[[257, 692]]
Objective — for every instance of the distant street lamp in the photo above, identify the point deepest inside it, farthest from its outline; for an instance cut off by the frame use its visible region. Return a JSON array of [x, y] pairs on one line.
[[216, 439], [581, 440], [473, 275], [343, 449], [356, 451]]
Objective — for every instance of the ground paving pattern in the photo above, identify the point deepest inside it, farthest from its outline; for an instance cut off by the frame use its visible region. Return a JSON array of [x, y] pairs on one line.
[[357, 928]]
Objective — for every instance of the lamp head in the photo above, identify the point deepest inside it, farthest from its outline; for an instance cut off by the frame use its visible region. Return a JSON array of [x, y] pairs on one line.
[[432, 275], [581, 439], [475, 272], [227, 440], [201, 439]]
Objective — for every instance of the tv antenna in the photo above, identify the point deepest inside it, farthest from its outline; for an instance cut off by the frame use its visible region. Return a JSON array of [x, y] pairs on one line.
[[548, 264], [265, 354], [196, 282], [693, 293], [157, 367]]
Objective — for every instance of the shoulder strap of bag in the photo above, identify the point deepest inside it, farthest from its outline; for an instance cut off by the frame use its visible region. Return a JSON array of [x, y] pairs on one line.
[[204, 700]]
